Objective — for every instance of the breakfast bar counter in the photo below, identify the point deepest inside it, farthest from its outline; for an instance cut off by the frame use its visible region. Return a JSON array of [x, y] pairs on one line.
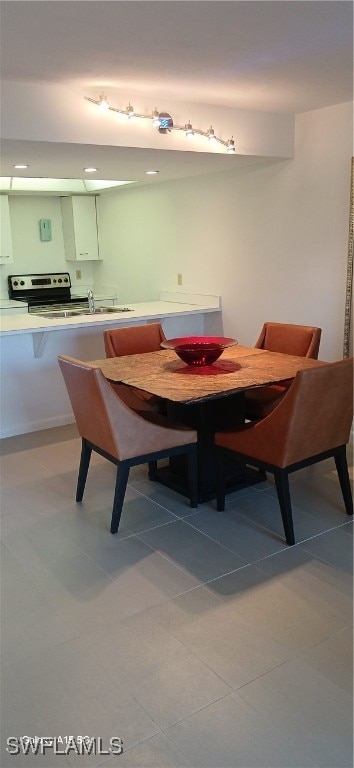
[[11, 323]]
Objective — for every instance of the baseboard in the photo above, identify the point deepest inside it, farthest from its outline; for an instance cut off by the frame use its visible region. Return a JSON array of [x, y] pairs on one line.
[[23, 429]]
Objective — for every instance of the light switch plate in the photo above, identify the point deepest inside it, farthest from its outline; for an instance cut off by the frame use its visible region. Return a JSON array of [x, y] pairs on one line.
[[45, 229]]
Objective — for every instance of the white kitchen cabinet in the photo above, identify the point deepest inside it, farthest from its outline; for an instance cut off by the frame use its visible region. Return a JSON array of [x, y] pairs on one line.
[[79, 218], [6, 250]]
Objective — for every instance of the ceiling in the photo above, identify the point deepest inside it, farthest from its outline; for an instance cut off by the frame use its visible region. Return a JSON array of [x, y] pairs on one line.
[[274, 56], [66, 161]]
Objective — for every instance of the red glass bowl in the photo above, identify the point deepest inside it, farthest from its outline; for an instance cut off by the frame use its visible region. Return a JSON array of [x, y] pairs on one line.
[[198, 350]]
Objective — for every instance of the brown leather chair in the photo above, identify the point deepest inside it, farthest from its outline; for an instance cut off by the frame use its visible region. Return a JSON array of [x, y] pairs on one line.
[[135, 340], [121, 435], [312, 422], [299, 340]]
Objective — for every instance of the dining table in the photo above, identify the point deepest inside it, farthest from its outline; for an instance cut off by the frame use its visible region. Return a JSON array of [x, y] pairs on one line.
[[207, 398]]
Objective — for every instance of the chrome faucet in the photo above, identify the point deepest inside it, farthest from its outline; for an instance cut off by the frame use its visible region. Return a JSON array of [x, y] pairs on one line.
[[91, 301]]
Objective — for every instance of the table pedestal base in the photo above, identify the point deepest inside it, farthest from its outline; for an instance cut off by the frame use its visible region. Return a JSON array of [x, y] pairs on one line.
[[207, 418]]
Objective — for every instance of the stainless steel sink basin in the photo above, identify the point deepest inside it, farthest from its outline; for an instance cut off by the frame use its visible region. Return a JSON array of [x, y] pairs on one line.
[[108, 310], [61, 313], [80, 312]]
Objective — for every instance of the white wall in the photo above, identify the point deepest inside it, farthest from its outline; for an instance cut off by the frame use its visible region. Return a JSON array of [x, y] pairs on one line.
[[271, 239]]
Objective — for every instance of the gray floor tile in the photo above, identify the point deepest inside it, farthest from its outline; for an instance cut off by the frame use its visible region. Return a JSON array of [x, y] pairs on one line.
[[140, 513], [308, 708], [348, 528], [220, 637], [72, 696], [157, 752], [130, 649], [188, 548], [275, 609], [233, 734], [334, 547], [263, 508], [333, 658], [313, 579], [319, 495], [239, 534], [41, 439], [89, 521], [178, 688], [117, 578], [30, 619], [163, 496], [21, 718]]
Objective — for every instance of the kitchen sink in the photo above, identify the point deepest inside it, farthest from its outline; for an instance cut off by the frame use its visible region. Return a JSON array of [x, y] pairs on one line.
[[80, 312], [61, 313], [108, 310]]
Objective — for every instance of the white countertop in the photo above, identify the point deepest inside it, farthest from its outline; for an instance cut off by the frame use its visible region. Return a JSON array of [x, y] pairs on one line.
[[11, 304], [30, 323]]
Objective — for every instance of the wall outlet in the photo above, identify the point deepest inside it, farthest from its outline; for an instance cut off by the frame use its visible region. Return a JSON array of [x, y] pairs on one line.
[[179, 278], [78, 274]]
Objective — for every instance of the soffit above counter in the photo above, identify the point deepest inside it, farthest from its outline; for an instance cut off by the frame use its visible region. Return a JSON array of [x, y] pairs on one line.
[[59, 132]]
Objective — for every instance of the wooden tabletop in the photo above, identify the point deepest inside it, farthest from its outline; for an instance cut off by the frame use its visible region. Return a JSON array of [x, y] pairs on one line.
[[239, 368]]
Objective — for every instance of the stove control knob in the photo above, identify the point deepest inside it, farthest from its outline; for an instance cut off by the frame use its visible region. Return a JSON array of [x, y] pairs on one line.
[[60, 280], [22, 282], [15, 282], [54, 280], [66, 280]]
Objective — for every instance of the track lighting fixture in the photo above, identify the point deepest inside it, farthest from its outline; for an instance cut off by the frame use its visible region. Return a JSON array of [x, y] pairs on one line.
[[163, 122]]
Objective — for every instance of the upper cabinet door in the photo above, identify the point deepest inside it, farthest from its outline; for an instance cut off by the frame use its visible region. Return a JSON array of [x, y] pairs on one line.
[[6, 251], [80, 228]]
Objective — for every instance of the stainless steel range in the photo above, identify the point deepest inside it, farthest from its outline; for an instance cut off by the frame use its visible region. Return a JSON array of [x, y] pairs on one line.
[[51, 290], [49, 295]]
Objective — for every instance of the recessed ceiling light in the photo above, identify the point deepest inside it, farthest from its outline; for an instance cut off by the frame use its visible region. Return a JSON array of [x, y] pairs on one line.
[[21, 165], [90, 170], [151, 173]]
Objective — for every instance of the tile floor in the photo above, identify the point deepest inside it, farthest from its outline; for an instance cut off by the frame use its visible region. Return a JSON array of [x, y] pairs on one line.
[[199, 638]]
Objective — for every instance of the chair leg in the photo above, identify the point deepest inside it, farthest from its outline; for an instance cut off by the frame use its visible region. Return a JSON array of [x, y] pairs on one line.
[[152, 473], [193, 476], [340, 457], [83, 469], [119, 493], [220, 481], [281, 478]]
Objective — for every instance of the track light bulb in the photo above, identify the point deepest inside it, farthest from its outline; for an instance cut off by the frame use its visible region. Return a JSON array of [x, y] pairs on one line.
[[130, 111], [103, 103], [211, 134], [156, 118], [188, 129], [231, 147]]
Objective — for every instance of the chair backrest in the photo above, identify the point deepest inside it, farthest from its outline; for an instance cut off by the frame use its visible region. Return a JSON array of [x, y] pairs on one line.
[[301, 340], [103, 419], [133, 340], [314, 416]]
